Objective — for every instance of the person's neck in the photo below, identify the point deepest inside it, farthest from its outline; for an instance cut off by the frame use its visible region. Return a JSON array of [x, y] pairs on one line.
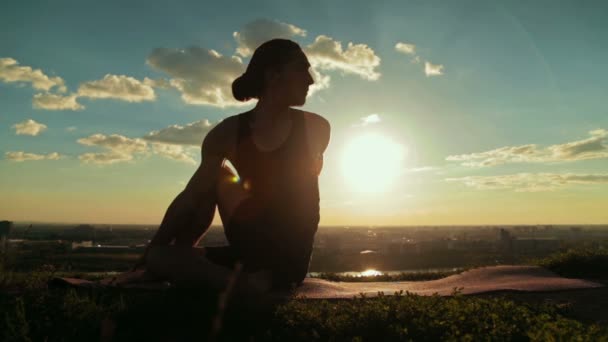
[[266, 112]]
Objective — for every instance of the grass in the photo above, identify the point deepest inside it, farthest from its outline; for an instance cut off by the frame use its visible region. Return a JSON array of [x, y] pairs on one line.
[[68, 315], [36, 313], [587, 262]]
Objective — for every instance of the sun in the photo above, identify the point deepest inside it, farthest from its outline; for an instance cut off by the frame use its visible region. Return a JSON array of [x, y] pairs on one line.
[[372, 162]]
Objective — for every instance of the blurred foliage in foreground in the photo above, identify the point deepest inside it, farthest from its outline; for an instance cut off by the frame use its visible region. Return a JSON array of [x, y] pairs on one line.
[[29, 311], [36, 313], [55, 315]]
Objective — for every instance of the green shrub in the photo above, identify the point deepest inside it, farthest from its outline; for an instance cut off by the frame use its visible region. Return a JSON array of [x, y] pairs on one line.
[[590, 263], [419, 318], [67, 315]]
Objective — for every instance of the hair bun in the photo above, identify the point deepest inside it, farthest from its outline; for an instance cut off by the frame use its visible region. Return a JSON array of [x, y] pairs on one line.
[[242, 88]]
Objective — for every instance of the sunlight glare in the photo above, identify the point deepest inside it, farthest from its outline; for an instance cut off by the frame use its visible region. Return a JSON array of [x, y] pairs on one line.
[[371, 163]]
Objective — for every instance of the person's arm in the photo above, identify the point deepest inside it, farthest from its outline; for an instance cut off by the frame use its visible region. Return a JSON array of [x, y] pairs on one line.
[[319, 132], [193, 209]]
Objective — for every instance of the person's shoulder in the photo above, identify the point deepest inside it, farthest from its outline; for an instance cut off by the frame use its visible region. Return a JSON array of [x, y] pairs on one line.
[[315, 120], [318, 128], [222, 136]]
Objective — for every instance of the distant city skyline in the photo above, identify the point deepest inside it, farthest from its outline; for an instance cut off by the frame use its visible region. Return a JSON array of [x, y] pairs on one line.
[[442, 113]]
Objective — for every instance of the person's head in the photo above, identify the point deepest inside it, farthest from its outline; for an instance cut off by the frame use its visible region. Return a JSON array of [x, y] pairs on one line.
[[278, 69]]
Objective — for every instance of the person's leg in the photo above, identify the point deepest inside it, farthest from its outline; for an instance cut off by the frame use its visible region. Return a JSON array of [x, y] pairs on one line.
[[212, 265], [229, 193], [191, 268], [221, 255]]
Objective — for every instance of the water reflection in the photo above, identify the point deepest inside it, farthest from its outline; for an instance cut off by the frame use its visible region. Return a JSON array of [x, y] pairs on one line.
[[373, 272], [369, 273]]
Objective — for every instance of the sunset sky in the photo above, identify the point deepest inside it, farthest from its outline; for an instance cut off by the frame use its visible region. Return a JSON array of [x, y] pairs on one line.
[[475, 112]]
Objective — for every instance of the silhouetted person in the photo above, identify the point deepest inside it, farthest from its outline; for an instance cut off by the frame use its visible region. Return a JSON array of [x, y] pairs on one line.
[[270, 207]]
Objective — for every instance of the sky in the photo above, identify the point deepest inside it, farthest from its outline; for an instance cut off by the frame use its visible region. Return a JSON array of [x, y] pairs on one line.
[[459, 112]]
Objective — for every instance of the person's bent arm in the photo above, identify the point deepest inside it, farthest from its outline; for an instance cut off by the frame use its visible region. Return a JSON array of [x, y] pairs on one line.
[[192, 211]]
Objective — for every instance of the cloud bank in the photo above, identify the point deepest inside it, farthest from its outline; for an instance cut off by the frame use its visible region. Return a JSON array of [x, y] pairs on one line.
[[594, 147], [11, 71], [179, 143], [20, 156], [50, 101], [118, 148], [189, 134], [530, 182], [119, 87], [255, 33], [325, 53], [204, 76]]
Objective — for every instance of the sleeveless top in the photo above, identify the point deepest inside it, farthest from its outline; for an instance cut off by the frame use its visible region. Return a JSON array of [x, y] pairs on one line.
[[284, 186]]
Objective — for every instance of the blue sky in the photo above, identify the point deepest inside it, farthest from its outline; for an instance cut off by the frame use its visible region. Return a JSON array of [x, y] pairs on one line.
[[509, 74]]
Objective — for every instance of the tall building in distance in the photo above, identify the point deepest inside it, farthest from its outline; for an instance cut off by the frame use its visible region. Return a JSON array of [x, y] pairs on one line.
[[5, 229]]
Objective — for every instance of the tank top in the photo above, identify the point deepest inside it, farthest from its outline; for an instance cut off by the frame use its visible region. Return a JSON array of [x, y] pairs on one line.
[[285, 187]]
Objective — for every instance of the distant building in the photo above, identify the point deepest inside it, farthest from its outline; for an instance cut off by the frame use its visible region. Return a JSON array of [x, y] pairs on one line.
[[5, 229], [505, 241]]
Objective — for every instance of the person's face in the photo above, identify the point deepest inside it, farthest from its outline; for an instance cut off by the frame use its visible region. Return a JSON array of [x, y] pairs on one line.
[[292, 82]]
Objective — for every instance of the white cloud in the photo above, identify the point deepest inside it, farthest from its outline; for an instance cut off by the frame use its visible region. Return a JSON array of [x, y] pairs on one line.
[[11, 71], [29, 127], [595, 147], [120, 148], [408, 49], [202, 76], [530, 182], [502, 155], [422, 169], [175, 152], [105, 157], [257, 32], [118, 87], [115, 142], [591, 148], [190, 134], [50, 101], [321, 82], [325, 53], [70, 128], [433, 69], [20, 156], [370, 119]]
